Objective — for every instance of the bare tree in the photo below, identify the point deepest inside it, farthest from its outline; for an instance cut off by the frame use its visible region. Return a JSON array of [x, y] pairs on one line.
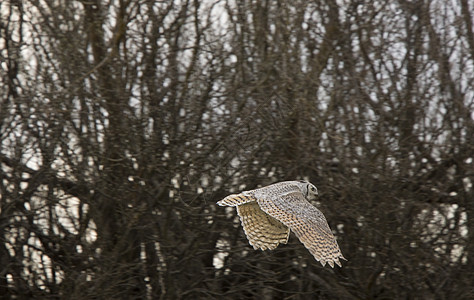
[[123, 122]]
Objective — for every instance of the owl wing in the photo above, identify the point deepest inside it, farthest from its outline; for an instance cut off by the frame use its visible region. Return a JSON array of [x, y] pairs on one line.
[[306, 221], [262, 230]]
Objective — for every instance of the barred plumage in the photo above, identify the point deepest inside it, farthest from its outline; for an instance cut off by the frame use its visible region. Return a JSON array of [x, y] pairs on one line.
[[263, 231], [236, 199], [267, 214]]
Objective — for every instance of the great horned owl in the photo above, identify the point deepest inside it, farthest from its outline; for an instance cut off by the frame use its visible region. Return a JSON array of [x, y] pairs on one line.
[[267, 214]]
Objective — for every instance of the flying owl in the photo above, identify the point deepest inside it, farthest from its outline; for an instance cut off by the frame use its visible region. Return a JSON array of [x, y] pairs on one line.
[[267, 214]]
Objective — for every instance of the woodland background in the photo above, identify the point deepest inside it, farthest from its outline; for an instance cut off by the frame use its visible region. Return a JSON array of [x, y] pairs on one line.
[[122, 122]]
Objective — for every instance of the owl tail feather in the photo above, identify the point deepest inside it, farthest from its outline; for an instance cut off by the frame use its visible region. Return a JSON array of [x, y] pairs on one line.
[[236, 199]]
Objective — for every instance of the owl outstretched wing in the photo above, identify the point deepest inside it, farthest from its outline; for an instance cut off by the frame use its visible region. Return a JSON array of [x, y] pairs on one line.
[[262, 230], [306, 221]]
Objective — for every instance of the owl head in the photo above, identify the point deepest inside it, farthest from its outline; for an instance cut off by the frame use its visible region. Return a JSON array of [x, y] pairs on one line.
[[308, 190]]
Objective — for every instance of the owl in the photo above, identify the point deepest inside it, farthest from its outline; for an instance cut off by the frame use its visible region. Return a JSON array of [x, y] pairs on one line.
[[267, 214]]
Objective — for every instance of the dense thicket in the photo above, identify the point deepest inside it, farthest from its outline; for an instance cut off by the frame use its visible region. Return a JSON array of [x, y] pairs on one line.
[[123, 122]]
